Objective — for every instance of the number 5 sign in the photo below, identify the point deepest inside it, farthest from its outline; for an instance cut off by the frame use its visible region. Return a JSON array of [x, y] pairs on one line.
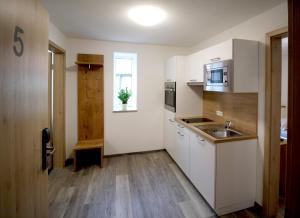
[[18, 42]]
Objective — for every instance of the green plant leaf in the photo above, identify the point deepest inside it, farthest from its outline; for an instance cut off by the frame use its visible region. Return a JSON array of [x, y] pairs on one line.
[[124, 95]]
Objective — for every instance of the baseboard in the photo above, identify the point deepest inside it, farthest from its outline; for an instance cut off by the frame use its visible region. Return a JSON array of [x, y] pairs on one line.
[[131, 153], [235, 207], [255, 208], [70, 160]]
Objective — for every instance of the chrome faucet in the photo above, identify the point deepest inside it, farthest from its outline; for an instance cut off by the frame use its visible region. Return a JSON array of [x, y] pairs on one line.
[[227, 124]]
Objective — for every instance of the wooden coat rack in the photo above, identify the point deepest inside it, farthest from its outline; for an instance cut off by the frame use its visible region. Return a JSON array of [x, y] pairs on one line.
[[90, 104]]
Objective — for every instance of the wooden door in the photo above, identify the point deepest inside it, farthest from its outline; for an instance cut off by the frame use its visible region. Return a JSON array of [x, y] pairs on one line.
[[23, 108], [293, 148]]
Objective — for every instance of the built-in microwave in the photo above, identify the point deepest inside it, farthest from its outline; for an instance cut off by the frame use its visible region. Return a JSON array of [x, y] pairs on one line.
[[218, 76], [170, 96]]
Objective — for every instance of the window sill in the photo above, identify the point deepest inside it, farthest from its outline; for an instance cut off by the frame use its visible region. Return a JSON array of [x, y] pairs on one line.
[[124, 111]]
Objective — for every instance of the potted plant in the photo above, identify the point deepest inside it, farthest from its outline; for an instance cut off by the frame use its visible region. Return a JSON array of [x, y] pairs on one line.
[[124, 95]]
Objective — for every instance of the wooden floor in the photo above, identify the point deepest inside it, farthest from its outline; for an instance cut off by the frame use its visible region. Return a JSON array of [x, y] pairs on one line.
[[148, 185]]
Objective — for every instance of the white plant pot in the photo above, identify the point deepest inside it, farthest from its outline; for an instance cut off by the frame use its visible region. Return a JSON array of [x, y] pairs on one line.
[[124, 107]]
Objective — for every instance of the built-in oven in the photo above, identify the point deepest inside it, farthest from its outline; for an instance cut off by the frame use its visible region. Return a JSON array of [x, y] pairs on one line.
[[170, 96], [218, 76]]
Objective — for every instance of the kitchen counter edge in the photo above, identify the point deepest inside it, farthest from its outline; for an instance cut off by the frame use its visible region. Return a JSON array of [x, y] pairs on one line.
[[209, 137]]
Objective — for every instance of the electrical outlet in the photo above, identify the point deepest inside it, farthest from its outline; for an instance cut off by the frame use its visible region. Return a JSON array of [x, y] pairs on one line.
[[219, 113]]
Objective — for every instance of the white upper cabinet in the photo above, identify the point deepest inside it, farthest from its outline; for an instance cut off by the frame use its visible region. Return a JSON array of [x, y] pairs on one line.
[[170, 71], [244, 54], [195, 62], [188, 100], [219, 52], [246, 65], [194, 67]]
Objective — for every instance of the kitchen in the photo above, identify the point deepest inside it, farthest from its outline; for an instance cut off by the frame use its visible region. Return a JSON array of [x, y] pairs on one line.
[[158, 120], [217, 152]]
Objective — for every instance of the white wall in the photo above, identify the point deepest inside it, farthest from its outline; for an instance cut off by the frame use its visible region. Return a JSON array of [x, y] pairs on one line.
[[128, 131], [56, 36], [255, 29]]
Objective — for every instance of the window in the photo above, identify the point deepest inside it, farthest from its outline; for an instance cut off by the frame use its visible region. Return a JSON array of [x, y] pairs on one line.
[[125, 76]]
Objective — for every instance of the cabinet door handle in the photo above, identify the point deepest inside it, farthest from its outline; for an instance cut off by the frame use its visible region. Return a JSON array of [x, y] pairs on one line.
[[200, 139], [171, 120], [215, 59], [170, 90], [180, 134], [193, 80]]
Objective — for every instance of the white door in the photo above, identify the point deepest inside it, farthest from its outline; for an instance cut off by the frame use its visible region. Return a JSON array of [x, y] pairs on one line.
[[202, 167]]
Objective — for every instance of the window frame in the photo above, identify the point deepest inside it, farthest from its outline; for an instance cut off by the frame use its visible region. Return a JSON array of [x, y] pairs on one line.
[[134, 74]]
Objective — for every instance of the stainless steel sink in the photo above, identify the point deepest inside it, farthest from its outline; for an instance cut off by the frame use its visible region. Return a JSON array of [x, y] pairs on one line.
[[222, 133], [219, 131]]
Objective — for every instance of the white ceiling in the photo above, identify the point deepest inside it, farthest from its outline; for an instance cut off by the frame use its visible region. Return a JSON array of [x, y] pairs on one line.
[[188, 22]]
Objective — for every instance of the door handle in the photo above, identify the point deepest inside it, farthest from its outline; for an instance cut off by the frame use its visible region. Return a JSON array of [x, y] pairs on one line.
[[45, 143], [50, 150]]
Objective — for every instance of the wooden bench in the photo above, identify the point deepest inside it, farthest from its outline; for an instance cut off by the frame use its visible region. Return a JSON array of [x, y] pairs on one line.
[[88, 145]]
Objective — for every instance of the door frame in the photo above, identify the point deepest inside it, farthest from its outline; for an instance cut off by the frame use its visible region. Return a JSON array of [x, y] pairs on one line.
[[272, 122], [60, 151]]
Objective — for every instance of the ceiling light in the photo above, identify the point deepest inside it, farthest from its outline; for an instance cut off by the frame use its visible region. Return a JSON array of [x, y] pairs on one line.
[[147, 15]]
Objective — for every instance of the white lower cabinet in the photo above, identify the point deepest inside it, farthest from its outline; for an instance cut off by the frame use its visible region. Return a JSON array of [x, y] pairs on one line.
[[224, 173], [170, 132], [235, 184], [202, 167], [182, 154]]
